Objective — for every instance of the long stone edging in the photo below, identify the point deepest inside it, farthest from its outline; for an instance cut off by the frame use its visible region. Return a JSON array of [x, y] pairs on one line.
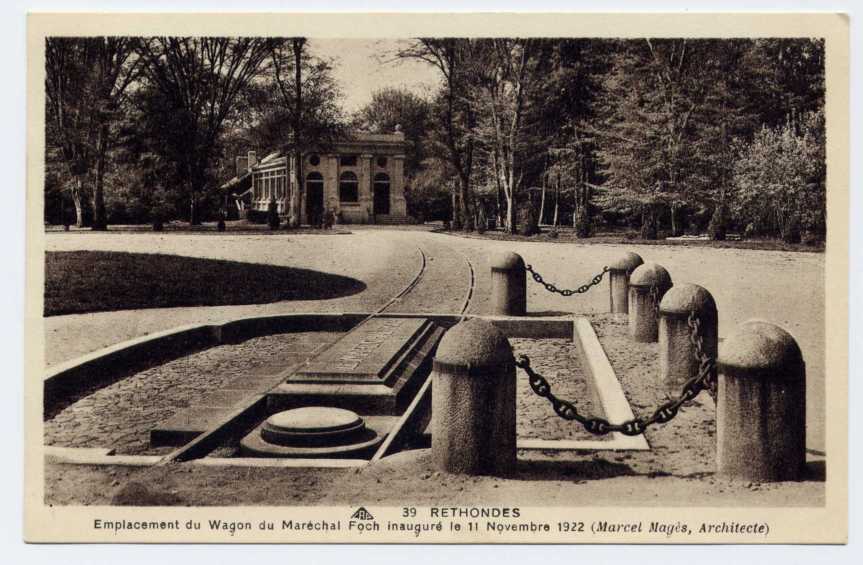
[[61, 378], [610, 395]]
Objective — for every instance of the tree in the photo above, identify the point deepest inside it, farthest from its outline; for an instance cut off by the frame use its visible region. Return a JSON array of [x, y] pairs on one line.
[[455, 114], [507, 71], [308, 103], [670, 109], [779, 179], [197, 81], [395, 108], [85, 85]]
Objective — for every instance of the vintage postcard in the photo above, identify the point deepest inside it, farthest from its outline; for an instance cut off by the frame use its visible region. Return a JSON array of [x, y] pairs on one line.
[[437, 278]]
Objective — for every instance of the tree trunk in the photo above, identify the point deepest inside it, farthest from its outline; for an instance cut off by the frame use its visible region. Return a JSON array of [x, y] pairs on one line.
[[542, 204], [556, 201], [456, 210], [676, 219], [194, 216], [100, 221], [648, 222], [510, 215], [77, 190], [467, 218], [294, 215]]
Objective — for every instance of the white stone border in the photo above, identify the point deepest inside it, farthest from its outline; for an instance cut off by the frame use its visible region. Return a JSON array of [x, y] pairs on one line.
[[616, 408]]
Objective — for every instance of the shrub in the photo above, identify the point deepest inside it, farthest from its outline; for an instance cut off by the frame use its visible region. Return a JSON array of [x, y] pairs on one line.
[[649, 223], [481, 221], [256, 216], [582, 222], [273, 215], [718, 223], [526, 220], [779, 178], [791, 230]]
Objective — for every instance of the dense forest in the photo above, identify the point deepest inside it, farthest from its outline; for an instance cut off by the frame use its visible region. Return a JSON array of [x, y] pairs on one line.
[[660, 136]]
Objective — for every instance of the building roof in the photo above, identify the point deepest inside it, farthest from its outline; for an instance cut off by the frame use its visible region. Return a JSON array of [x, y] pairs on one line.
[[357, 142]]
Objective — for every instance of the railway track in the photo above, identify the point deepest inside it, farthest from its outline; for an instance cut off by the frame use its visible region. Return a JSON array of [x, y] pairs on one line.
[[433, 289]]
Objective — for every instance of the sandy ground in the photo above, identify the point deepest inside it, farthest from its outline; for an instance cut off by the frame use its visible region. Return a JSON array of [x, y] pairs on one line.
[[786, 288], [782, 287], [678, 470]]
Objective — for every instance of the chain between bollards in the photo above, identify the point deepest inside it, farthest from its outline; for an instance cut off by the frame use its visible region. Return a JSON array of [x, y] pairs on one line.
[[566, 291], [705, 378]]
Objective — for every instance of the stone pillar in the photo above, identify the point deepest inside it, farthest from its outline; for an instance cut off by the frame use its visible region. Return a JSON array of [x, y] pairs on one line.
[[508, 285], [365, 187], [618, 281], [647, 285], [678, 361], [330, 171], [473, 401], [761, 405], [398, 205]]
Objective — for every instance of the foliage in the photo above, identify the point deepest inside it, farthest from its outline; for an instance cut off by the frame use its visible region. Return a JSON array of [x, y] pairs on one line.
[[191, 89], [779, 179], [527, 220], [392, 109]]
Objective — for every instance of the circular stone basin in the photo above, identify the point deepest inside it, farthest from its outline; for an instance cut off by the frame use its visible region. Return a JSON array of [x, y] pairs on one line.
[[313, 426], [314, 432]]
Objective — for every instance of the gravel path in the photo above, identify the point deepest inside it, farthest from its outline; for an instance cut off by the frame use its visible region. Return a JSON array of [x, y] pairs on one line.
[[121, 415], [782, 287]]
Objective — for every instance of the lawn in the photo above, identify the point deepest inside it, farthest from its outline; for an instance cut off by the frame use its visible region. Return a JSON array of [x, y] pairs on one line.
[[95, 281]]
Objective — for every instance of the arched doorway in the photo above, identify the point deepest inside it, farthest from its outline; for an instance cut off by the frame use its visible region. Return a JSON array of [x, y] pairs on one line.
[[382, 193], [315, 199]]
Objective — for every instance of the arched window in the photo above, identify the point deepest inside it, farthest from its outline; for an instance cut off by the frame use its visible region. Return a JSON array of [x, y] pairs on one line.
[[348, 187]]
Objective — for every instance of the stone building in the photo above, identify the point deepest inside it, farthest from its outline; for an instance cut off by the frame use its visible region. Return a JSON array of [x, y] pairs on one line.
[[361, 180]]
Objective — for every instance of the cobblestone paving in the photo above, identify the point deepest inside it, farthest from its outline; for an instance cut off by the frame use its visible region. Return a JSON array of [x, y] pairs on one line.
[[554, 359], [121, 415]]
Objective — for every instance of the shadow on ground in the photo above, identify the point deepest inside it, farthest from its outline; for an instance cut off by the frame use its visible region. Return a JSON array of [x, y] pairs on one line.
[[547, 314], [97, 281], [589, 469]]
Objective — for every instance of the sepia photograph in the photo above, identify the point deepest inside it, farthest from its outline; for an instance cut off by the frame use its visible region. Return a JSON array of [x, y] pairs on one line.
[[394, 279]]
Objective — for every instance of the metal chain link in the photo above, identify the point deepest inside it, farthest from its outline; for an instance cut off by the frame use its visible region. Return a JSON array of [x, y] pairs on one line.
[[566, 291], [704, 378]]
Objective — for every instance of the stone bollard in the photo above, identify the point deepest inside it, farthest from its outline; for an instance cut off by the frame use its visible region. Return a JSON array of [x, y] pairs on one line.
[[618, 281], [761, 405], [473, 401], [647, 285], [678, 360], [508, 285]]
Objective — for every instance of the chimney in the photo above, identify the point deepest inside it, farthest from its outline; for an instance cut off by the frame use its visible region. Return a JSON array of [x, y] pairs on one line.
[[253, 159], [242, 165]]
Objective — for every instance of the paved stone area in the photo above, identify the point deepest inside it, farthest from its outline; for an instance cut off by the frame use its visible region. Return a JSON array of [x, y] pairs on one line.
[[121, 415], [782, 287]]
